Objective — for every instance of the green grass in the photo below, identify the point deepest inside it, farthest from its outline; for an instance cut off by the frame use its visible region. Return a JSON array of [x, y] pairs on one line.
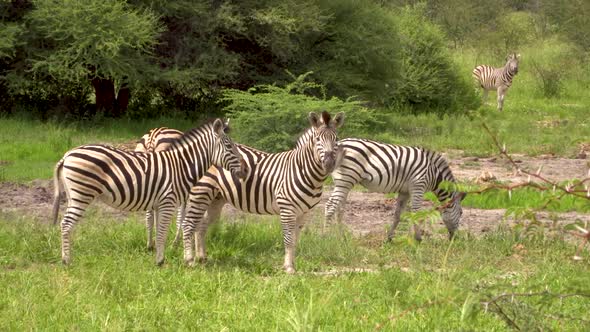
[[520, 198], [113, 283], [29, 149]]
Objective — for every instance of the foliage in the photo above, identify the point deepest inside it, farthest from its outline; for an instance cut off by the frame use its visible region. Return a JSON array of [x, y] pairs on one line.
[[358, 53], [8, 37], [86, 39], [552, 66], [570, 18], [271, 118], [430, 79]]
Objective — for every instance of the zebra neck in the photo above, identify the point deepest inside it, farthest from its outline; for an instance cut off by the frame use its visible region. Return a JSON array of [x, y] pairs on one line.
[[508, 72], [192, 156]]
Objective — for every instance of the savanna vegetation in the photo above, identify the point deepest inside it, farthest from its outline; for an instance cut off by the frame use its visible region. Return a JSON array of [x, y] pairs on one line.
[[81, 71]]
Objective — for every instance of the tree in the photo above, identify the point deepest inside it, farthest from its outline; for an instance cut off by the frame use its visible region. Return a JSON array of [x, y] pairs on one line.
[[104, 43]]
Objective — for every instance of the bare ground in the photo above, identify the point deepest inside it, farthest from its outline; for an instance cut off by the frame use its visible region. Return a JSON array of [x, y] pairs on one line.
[[365, 213]]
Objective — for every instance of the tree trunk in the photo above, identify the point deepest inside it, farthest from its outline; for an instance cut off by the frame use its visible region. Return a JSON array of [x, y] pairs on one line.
[[106, 101], [122, 101], [104, 89]]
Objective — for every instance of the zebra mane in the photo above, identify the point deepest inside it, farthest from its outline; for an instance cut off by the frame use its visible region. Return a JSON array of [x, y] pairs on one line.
[[188, 137], [305, 137]]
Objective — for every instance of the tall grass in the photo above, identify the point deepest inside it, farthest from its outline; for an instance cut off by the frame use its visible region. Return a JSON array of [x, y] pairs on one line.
[[113, 283]]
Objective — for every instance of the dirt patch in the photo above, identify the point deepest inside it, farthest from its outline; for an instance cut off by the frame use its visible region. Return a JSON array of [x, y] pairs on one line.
[[365, 213], [557, 169]]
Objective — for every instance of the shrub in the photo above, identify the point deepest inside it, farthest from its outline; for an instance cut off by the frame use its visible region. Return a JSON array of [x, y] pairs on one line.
[[550, 66], [271, 118], [430, 79]]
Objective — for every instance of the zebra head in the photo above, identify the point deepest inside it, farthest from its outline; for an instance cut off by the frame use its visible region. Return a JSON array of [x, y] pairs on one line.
[[451, 214], [512, 63], [325, 137], [225, 153]]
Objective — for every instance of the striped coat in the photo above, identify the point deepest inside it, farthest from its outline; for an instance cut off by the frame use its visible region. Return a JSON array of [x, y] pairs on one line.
[[156, 140], [387, 168], [288, 184], [499, 79], [135, 181]]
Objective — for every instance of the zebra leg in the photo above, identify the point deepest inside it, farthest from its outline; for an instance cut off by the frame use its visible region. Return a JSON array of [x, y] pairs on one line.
[[199, 201], [74, 213], [179, 221], [213, 214], [163, 217], [501, 94], [289, 226], [300, 222], [336, 202], [149, 225], [417, 197], [400, 205]]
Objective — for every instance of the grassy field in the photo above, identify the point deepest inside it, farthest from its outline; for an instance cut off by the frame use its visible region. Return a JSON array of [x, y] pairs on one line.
[[113, 283]]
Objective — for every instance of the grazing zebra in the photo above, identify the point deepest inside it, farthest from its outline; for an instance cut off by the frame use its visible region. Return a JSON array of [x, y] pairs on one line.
[[156, 140], [288, 184], [386, 168], [134, 181], [499, 79]]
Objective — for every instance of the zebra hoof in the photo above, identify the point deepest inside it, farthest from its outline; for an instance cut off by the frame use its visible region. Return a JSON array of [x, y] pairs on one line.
[[202, 260], [160, 262], [389, 239], [290, 270], [189, 262], [65, 261]]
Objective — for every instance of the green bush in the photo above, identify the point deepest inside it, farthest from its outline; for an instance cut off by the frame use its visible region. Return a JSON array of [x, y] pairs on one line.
[[430, 79], [551, 66], [271, 118], [357, 54]]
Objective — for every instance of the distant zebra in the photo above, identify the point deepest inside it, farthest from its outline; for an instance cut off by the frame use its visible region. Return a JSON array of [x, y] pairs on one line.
[[134, 181], [499, 79], [386, 168], [156, 140], [288, 184]]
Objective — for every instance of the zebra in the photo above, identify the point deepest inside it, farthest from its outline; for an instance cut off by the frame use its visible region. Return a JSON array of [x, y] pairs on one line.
[[387, 168], [135, 181], [159, 139], [288, 184], [499, 79]]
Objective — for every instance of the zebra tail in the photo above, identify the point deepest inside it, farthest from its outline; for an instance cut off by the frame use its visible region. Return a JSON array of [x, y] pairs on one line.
[[57, 190]]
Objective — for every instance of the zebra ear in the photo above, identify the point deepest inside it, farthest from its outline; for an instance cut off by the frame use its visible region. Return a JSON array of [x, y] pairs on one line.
[[226, 126], [338, 120], [314, 119], [218, 127]]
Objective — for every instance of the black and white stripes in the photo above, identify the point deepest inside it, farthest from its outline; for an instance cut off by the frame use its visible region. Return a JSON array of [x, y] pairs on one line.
[[156, 140], [386, 168], [135, 181], [499, 79], [288, 184]]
